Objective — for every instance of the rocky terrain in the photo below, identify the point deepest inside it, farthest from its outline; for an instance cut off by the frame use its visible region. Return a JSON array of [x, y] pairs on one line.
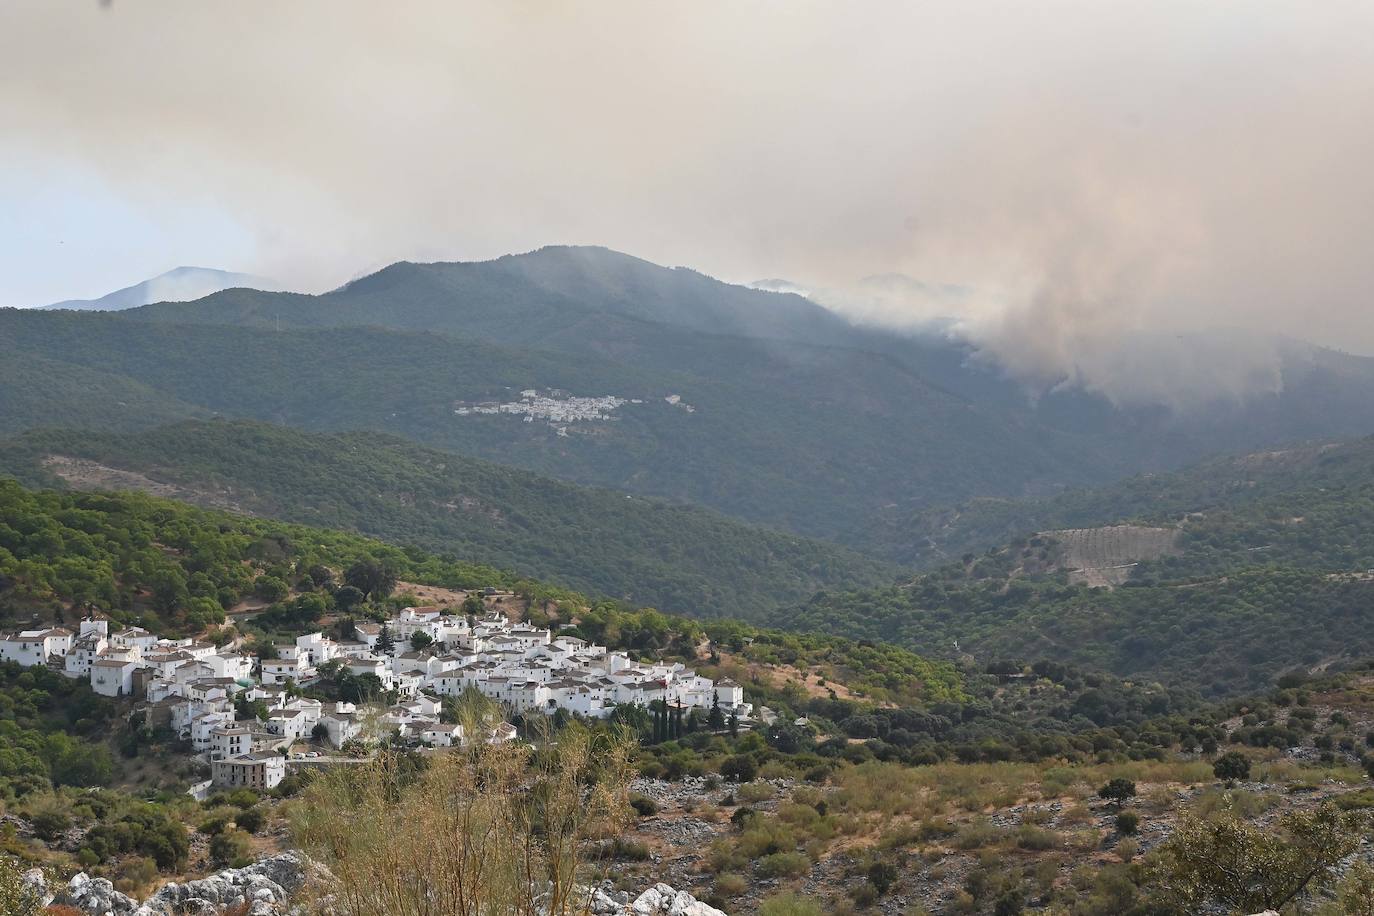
[[267, 888]]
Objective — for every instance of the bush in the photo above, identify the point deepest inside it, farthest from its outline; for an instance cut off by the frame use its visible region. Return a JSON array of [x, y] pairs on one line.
[[731, 885], [250, 820], [882, 875], [783, 865], [1127, 823], [1118, 791], [49, 821], [739, 768], [789, 904], [1037, 839], [865, 895], [229, 847], [643, 805], [1231, 766]]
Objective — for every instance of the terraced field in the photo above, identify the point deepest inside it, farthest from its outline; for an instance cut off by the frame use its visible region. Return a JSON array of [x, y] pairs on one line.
[[1104, 557]]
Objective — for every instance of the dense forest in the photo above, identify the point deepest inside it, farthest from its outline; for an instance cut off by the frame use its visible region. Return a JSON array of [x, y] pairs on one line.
[[648, 552]]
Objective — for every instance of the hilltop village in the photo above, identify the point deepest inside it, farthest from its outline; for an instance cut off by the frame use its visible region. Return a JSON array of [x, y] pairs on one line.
[[248, 717]]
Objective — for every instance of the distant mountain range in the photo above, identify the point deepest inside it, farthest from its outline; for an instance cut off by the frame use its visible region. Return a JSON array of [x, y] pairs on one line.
[[180, 284], [799, 419]]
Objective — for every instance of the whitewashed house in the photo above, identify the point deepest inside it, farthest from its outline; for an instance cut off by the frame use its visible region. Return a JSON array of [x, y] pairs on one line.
[[113, 677]]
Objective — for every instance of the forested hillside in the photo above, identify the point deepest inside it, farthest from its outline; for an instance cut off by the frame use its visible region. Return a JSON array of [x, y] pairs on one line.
[[798, 420], [673, 557], [1316, 473], [1270, 570]]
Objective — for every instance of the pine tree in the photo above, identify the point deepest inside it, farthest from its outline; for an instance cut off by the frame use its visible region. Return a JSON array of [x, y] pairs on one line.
[[734, 725], [717, 718], [385, 643]]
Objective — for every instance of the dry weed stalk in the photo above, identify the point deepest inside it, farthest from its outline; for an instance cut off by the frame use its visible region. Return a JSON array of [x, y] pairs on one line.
[[480, 831]]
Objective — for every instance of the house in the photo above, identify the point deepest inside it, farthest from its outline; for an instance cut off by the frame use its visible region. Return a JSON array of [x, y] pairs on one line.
[[113, 677], [281, 670], [317, 648], [35, 647], [262, 770], [230, 741], [231, 665], [85, 649], [442, 734], [134, 637], [340, 723], [289, 723], [729, 694]]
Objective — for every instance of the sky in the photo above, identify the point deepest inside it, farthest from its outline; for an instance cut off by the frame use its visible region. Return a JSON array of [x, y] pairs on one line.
[[1058, 176]]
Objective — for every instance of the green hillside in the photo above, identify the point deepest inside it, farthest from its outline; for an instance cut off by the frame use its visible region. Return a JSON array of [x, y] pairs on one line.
[[809, 439], [673, 557], [1320, 473], [799, 420], [1270, 569]]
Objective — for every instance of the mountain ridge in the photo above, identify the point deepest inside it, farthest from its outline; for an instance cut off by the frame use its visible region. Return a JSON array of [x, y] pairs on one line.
[[180, 284]]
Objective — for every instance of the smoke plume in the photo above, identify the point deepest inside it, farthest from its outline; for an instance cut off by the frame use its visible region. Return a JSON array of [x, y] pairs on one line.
[[1062, 179]]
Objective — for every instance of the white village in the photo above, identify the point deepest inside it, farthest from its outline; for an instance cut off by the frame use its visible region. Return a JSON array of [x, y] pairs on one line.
[[251, 720]]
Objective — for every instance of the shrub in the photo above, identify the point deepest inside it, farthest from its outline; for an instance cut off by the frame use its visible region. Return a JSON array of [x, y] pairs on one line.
[[643, 805], [783, 865], [1037, 839], [1118, 791], [789, 904], [731, 885], [882, 875], [865, 895], [1127, 823], [1232, 765], [739, 768], [229, 847], [250, 820]]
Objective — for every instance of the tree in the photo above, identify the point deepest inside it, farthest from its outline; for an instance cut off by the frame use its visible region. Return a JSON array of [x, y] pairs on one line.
[[270, 589], [319, 732], [348, 597], [1232, 765], [1247, 868], [420, 640], [321, 576], [716, 720], [734, 725], [1118, 790], [386, 644], [739, 768], [372, 578]]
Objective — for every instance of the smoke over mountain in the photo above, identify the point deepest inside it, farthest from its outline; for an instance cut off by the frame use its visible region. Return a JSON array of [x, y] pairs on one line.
[[1064, 180]]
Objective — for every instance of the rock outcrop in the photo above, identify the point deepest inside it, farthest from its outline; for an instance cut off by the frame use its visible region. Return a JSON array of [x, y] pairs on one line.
[[659, 900], [264, 887]]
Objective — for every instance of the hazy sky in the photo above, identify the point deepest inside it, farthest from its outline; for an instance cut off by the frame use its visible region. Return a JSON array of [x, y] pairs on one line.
[[1082, 169]]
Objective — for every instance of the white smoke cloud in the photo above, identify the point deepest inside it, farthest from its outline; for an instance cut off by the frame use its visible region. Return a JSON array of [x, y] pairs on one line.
[[1067, 179]]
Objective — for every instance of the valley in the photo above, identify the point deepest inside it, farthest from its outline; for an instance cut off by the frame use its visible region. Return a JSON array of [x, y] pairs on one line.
[[939, 646]]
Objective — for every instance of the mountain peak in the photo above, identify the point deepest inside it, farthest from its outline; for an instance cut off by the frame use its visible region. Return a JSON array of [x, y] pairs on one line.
[[180, 284]]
